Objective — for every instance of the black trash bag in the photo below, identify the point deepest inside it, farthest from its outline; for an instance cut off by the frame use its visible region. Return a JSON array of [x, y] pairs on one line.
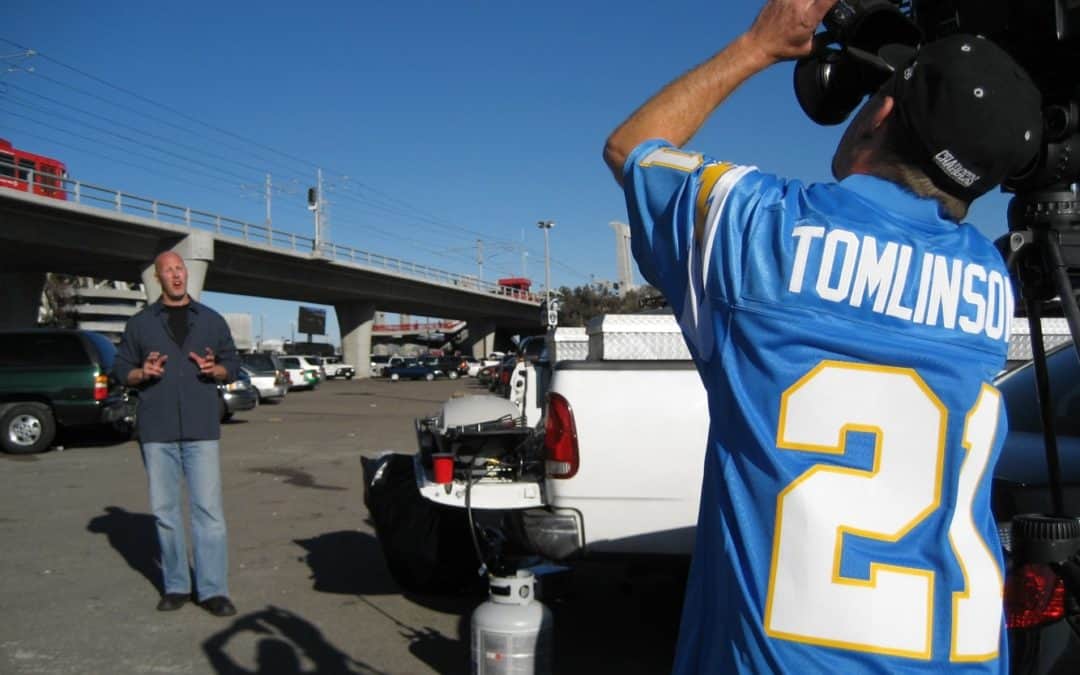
[[427, 547]]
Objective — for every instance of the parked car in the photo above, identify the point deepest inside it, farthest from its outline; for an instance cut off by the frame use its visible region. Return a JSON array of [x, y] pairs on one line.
[[240, 394], [381, 364], [315, 362], [444, 366], [411, 370], [269, 385], [302, 373], [378, 362], [51, 379], [335, 366]]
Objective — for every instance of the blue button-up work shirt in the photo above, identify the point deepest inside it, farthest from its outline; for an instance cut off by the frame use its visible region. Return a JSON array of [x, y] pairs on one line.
[[182, 404]]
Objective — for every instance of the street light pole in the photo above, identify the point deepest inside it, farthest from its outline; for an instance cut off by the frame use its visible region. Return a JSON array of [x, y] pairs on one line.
[[546, 226]]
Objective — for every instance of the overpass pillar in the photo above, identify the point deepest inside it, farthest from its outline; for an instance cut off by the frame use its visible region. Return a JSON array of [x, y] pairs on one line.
[[197, 250], [481, 338], [355, 319], [22, 299]]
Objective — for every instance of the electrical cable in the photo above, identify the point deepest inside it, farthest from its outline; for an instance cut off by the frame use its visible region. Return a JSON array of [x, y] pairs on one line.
[[191, 161], [223, 158], [382, 204], [208, 188]]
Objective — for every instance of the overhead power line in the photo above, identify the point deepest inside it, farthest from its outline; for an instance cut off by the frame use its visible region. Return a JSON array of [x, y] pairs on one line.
[[353, 192]]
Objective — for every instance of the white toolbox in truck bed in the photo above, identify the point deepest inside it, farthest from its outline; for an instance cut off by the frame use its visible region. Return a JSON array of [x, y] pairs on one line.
[[615, 337]]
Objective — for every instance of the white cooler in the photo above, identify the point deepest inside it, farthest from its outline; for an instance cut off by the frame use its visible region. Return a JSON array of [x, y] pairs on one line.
[[624, 337]]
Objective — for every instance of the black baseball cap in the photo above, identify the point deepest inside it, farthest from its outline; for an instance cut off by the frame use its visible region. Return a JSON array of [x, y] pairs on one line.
[[971, 113]]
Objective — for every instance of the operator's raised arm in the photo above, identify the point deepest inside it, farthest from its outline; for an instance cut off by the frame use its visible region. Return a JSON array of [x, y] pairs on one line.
[[783, 30]]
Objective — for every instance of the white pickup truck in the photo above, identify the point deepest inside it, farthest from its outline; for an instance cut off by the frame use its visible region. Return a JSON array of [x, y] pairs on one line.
[[613, 467]]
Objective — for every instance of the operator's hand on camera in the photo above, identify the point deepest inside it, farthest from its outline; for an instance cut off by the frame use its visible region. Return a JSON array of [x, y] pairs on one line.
[[154, 365], [207, 364], [784, 29]]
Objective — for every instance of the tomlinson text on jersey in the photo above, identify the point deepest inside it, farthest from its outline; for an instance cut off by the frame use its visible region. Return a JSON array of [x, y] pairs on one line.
[[948, 292]]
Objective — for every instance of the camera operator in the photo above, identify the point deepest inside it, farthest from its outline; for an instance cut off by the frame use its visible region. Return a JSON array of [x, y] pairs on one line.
[[847, 334]]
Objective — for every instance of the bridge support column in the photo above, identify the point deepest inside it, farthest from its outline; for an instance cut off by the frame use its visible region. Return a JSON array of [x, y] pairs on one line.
[[197, 250], [355, 319], [481, 340], [21, 299]]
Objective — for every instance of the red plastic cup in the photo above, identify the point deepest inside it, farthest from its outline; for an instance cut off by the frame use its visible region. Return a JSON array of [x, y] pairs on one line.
[[443, 464]]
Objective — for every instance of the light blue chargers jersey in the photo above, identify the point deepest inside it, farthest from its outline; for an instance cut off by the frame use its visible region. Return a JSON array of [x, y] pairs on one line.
[[847, 336]]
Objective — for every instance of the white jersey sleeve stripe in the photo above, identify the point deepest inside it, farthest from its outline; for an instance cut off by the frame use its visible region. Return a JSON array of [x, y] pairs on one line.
[[717, 200]]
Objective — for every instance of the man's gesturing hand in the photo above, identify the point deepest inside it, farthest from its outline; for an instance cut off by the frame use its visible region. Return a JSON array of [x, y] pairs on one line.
[[784, 29], [154, 365], [206, 363]]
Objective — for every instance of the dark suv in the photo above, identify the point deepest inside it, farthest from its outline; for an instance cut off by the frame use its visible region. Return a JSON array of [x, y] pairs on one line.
[[52, 378]]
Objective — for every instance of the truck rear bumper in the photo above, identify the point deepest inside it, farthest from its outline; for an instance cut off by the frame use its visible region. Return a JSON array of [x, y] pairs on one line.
[[483, 494], [556, 534]]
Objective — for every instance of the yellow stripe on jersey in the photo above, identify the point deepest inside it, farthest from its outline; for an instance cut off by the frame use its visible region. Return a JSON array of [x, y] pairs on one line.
[[709, 176]]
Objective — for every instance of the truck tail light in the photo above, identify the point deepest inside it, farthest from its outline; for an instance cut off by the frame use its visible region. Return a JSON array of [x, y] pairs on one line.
[[1034, 595], [101, 387], [560, 439]]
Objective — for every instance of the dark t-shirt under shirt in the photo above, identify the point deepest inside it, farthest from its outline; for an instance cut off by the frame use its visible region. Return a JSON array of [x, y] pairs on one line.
[[178, 323]]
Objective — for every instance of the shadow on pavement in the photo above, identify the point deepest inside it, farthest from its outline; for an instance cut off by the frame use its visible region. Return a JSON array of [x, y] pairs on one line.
[[134, 537], [293, 477], [285, 644], [347, 562], [351, 563], [91, 437]]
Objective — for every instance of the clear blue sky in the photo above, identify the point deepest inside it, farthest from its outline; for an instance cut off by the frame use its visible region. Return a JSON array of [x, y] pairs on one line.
[[436, 123]]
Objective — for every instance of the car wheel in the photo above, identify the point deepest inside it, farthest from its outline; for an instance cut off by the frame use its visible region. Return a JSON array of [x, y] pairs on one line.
[[394, 377], [349, 376], [27, 427], [452, 375], [429, 377]]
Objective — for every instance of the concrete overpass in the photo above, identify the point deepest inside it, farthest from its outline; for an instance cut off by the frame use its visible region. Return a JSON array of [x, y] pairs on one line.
[[108, 234]]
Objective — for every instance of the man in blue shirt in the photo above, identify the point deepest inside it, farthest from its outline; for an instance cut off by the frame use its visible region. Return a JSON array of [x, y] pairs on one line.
[[847, 335], [176, 351]]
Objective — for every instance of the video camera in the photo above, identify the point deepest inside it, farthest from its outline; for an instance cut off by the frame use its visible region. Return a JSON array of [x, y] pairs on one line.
[[865, 40]]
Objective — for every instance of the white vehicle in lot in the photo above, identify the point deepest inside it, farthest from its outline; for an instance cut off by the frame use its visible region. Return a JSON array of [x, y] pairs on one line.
[[270, 385], [336, 367], [303, 374]]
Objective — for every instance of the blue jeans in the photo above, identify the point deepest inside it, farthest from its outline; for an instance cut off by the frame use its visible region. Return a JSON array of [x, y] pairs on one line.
[[167, 465]]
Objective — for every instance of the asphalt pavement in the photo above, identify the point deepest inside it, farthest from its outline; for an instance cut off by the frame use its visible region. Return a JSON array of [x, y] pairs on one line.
[[79, 579]]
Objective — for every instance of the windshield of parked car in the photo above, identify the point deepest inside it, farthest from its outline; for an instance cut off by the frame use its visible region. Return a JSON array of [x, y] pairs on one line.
[[106, 350], [42, 349], [258, 363]]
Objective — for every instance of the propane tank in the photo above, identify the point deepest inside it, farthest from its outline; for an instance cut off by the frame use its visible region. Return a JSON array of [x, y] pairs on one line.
[[512, 630]]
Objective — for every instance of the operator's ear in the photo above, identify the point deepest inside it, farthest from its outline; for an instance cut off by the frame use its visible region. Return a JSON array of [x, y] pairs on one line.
[[883, 112]]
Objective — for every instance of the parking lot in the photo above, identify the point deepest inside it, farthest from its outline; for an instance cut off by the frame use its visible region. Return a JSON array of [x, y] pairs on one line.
[[78, 582]]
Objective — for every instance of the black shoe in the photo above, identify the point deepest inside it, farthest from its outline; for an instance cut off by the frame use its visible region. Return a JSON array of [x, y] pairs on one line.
[[218, 605], [171, 602]]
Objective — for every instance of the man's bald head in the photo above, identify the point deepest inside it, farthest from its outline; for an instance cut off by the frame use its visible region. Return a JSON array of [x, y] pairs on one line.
[[172, 274]]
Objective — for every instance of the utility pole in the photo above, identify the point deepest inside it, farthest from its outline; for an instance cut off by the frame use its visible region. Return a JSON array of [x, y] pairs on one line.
[[480, 259], [316, 202], [546, 226], [269, 191]]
